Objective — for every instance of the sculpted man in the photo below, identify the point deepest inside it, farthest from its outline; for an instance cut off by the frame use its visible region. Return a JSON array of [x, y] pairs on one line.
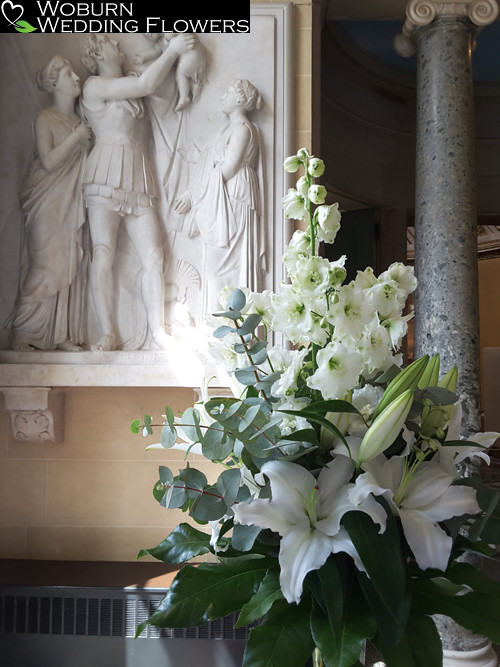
[[119, 184]]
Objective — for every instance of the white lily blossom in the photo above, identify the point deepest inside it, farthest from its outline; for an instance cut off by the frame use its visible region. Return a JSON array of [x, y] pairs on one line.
[[421, 497], [307, 514]]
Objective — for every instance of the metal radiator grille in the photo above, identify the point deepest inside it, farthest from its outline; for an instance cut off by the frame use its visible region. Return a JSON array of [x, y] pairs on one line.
[[98, 612]]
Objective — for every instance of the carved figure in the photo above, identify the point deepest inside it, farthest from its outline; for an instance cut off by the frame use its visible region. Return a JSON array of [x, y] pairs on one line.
[[225, 200], [189, 71], [51, 305], [119, 184]]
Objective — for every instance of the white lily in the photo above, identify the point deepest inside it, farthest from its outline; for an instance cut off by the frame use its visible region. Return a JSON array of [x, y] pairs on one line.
[[306, 513], [421, 495]]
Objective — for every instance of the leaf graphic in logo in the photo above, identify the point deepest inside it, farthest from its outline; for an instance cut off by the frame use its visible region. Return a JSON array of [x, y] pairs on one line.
[[24, 26]]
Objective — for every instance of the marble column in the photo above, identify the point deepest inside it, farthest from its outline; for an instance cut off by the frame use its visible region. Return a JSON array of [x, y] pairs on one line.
[[446, 300]]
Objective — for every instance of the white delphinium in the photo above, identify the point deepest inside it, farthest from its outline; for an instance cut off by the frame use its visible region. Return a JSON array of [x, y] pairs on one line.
[[366, 278], [292, 315], [375, 347], [365, 400], [328, 219], [298, 249], [290, 365], [397, 327], [317, 194], [316, 167], [351, 312], [262, 304], [294, 205], [401, 274], [313, 276], [387, 298], [338, 371]]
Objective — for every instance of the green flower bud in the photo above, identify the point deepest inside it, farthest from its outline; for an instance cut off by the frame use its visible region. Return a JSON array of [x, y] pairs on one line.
[[291, 164], [385, 428]]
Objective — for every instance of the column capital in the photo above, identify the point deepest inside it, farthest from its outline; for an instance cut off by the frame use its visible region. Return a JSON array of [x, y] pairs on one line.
[[420, 13]]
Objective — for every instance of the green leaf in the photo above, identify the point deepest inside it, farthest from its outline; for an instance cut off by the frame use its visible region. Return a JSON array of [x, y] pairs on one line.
[[222, 331], [194, 480], [440, 396], [168, 436], [478, 612], [183, 543], [282, 639], [420, 646], [250, 415], [135, 425], [268, 592], [246, 376], [228, 485], [217, 445], [191, 424], [209, 506], [237, 300], [208, 591], [248, 326], [339, 627], [386, 587], [23, 26], [486, 527], [243, 537]]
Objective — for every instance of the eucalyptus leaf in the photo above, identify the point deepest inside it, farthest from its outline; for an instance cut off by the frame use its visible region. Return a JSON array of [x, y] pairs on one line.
[[209, 506], [222, 331], [244, 537], [249, 324], [228, 485], [195, 481], [191, 424], [168, 436], [237, 300], [217, 444]]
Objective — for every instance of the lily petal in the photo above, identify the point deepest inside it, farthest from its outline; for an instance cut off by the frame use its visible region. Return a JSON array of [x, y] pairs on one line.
[[303, 549], [265, 514], [431, 546]]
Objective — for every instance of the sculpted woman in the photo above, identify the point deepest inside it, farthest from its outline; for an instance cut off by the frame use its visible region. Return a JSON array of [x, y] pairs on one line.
[[224, 202], [51, 304]]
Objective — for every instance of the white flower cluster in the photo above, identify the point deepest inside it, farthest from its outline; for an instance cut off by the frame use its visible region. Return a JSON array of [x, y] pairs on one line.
[[357, 327]]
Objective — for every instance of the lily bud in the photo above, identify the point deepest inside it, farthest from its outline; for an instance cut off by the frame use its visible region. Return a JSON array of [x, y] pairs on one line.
[[449, 381], [407, 379], [430, 376], [385, 428]]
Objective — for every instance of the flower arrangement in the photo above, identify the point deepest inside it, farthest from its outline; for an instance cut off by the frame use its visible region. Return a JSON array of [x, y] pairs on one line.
[[339, 514]]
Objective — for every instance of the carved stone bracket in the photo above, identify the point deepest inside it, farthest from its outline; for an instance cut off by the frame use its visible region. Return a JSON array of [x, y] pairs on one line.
[[36, 413], [423, 12]]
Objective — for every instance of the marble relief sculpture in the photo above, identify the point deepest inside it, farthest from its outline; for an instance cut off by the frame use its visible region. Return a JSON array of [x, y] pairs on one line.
[[190, 68], [131, 230], [119, 184], [50, 310], [224, 202]]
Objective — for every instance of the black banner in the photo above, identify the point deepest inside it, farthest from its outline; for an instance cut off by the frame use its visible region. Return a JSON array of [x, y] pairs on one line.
[[60, 16]]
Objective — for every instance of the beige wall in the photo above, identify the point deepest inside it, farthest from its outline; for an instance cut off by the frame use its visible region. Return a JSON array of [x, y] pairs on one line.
[[90, 497]]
